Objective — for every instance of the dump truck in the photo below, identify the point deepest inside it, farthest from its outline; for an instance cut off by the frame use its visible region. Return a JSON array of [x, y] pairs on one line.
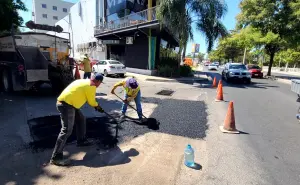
[[30, 59]]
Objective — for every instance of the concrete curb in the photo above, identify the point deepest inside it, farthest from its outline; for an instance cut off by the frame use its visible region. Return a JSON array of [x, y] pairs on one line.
[[162, 79], [284, 81]]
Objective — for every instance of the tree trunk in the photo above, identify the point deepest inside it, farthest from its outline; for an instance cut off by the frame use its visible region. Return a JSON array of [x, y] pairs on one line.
[[244, 58], [272, 54], [183, 53], [179, 57]]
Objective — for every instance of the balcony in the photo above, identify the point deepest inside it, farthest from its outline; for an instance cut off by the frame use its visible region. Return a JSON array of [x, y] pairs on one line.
[[136, 19]]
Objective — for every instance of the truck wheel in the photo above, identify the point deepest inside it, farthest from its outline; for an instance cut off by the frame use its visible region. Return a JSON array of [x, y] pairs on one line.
[[6, 81]]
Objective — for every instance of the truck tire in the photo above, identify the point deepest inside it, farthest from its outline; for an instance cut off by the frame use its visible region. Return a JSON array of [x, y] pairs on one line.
[[6, 80]]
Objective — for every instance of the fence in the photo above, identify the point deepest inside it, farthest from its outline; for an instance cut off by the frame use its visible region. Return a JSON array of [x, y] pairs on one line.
[[144, 16]]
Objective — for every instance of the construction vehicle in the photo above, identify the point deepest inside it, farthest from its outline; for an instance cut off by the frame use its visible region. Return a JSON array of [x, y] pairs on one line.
[[30, 59]]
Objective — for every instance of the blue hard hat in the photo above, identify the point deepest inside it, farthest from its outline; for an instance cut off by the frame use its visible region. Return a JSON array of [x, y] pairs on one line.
[[98, 77]]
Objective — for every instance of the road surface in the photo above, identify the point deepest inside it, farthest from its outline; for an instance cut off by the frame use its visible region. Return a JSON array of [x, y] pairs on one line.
[[266, 110]]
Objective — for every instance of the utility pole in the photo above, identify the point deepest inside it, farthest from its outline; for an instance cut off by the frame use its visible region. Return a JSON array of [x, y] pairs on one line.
[[244, 58]]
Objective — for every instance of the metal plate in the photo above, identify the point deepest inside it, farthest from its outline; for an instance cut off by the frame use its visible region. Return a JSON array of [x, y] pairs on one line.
[[165, 92]]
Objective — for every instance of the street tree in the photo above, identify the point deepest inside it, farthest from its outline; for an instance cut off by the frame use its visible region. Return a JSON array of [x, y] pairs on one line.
[[9, 14], [180, 15], [200, 56], [275, 19]]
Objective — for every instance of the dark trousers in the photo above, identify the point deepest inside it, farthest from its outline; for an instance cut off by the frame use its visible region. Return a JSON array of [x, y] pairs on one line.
[[69, 115], [87, 75]]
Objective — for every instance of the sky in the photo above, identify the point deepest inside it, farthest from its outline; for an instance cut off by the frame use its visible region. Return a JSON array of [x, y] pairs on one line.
[[228, 20]]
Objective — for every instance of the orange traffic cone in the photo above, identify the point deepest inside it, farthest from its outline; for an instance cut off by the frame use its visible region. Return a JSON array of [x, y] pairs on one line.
[[214, 82], [229, 122], [220, 83], [219, 96], [77, 74]]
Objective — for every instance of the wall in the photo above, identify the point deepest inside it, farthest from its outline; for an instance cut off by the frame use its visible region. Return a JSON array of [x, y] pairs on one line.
[[80, 24], [137, 53], [39, 11]]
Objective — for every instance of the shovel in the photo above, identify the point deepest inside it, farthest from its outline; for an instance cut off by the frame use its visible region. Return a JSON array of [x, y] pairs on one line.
[[152, 123]]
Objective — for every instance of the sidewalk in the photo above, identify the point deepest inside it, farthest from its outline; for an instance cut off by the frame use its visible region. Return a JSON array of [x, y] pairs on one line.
[[197, 77]]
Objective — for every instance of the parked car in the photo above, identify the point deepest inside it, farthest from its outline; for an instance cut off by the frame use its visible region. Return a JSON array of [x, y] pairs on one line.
[[236, 71], [109, 67], [212, 67], [255, 71], [206, 63], [216, 63], [92, 63]]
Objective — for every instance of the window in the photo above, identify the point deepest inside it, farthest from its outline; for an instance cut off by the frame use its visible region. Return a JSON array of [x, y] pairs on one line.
[[44, 6], [114, 62], [55, 18], [65, 10], [45, 16], [243, 67], [54, 8]]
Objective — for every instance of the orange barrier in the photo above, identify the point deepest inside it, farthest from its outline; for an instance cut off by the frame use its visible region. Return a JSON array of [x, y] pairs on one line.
[[219, 96], [229, 122], [214, 82], [220, 83]]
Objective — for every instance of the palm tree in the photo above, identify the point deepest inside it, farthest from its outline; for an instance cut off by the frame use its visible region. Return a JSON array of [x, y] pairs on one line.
[[179, 15]]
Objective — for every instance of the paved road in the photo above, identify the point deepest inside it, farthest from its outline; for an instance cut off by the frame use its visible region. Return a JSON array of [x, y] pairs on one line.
[[266, 110], [182, 114]]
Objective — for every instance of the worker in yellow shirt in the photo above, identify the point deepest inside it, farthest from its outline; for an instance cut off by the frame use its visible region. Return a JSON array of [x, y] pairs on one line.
[[87, 67], [132, 92], [68, 104]]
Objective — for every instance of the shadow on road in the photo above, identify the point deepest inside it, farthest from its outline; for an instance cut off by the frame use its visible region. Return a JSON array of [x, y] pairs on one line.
[[27, 163], [112, 157]]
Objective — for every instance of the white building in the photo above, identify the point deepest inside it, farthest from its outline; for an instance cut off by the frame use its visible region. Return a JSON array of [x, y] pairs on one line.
[[80, 23], [49, 12]]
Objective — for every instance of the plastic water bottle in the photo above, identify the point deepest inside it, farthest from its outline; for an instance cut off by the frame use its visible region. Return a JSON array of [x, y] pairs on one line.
[[189, 156]]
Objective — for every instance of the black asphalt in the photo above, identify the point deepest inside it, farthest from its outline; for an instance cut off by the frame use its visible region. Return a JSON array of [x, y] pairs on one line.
[[266, 110]]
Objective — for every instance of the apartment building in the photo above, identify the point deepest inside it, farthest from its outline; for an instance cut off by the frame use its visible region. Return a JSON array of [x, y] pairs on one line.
[[49, 12]]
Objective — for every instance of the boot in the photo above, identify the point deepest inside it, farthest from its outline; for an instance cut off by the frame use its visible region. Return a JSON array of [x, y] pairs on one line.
[[59, 160]]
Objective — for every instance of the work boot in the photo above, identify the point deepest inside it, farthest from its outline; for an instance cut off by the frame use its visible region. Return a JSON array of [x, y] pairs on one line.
[[84, 142], [59, 160]]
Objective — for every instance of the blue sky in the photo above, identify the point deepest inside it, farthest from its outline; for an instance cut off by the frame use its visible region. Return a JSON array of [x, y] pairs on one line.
[[228, 20]]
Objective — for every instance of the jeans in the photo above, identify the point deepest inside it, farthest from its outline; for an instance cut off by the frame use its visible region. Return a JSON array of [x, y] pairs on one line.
[[138, 104], [69, 115], [87, 75]]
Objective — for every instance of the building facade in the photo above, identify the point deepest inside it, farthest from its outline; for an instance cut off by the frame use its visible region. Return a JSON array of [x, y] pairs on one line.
[[125, 30], [82, 18], [49, 12], [133, 34]]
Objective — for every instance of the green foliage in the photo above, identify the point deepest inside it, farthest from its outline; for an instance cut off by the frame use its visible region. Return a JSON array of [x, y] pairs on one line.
[[276, 20], [185, 71], [165, 71], [9, 13], [179, 15], [200, 56]]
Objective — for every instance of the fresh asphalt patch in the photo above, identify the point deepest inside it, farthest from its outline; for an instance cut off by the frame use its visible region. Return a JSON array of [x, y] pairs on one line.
[[177, 117]]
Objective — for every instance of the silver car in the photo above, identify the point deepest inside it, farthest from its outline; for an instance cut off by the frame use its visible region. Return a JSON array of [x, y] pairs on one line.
[[236, 71]]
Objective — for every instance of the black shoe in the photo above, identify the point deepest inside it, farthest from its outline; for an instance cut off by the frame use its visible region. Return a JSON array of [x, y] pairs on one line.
[[58, 160], [84, 142]]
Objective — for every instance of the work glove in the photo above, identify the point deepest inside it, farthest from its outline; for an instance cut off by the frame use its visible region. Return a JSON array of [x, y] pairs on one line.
[[99, 109], [112, 91]]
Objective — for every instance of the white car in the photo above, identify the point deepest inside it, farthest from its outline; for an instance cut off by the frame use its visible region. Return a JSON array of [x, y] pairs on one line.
[[212, 67], [109, 67]]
